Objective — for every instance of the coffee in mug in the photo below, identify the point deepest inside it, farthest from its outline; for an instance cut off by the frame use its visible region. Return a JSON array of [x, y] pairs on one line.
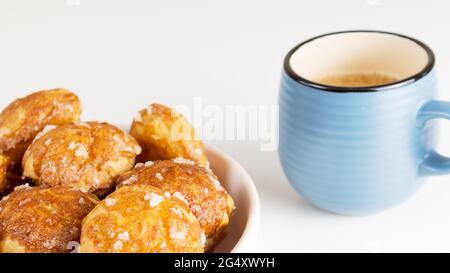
[[357, 79], [357, 109]]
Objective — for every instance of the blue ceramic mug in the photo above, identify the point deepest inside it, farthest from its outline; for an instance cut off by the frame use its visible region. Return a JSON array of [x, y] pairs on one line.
[[354, 149]]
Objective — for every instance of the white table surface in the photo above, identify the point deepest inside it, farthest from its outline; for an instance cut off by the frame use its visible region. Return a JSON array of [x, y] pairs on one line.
[[120, 56]]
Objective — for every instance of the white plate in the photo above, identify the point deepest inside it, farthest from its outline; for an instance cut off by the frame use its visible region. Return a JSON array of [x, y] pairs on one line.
[[243, 228]]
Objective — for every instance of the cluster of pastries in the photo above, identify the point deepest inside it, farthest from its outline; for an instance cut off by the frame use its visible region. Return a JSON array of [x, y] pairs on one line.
[[71, 186]]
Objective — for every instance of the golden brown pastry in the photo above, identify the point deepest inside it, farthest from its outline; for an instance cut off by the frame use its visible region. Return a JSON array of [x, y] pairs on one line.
[[198, 186], [86, 156], [23, 119], [8, 179], [165, 134], [4, 167], [36, 220], [140, 219]]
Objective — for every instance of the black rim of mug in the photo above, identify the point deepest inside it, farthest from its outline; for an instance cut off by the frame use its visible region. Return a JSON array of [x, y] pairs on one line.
[[375, 88]]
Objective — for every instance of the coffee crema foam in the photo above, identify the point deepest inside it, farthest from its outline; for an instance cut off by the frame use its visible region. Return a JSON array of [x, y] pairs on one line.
[[357, 80]]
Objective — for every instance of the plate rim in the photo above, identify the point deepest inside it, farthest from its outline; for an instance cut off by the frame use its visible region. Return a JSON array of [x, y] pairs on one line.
[[250, 233]]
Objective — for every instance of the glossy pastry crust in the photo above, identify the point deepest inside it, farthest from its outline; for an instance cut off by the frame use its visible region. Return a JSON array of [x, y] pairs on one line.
[[39, 220], [198, 186], [140, 219], [165, 134], [4, 166], [24, 118], [86, 156]]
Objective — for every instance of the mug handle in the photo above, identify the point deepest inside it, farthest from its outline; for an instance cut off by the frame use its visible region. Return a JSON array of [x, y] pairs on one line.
[[434, 163]]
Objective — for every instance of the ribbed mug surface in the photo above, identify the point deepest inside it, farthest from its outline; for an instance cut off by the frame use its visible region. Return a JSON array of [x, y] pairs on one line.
[[354, 153]]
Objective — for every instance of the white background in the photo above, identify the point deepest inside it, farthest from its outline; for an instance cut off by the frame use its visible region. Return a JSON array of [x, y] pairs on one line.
[[119, 56]]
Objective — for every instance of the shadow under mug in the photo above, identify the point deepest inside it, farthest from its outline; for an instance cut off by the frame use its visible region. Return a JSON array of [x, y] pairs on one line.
[[359, 150]]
